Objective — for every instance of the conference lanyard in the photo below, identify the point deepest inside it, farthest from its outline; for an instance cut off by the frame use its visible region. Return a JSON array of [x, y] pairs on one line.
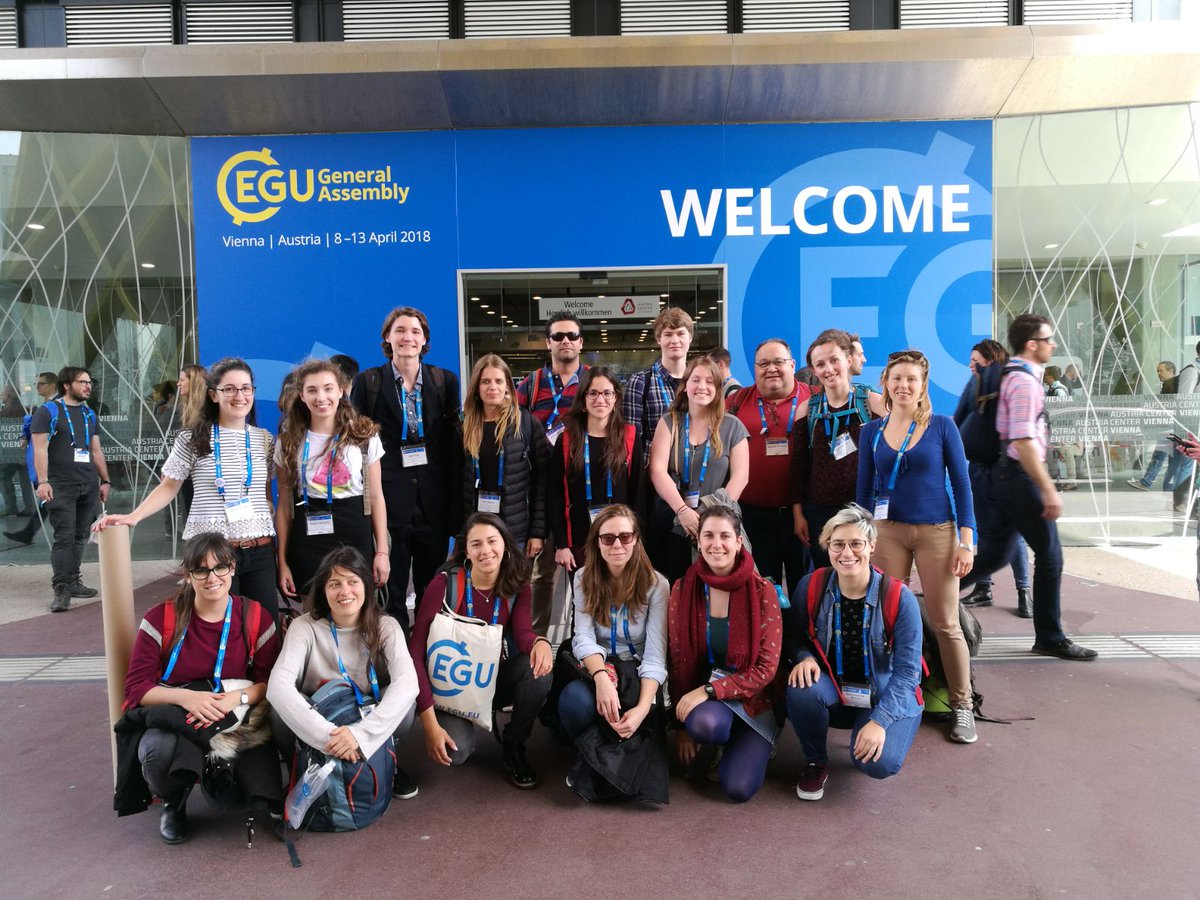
[[328, 474], [420, 404], [87, 433], [612, 637], [667, 396], [471, 603], [712, 660], [556, 397], [687, 454], [837, 635], [220, 650], [899, 453], [358, 695], [587, 473], [791, 415], [831, 419], [220, 479], [499, 472]]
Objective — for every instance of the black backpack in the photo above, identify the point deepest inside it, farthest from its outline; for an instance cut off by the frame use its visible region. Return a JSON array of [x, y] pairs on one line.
[[981, 441]]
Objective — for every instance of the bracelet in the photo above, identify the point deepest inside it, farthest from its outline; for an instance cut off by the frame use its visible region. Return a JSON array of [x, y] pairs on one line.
[[542, 638], [599, 672], [104, 481], [381, 553], [966, 546]]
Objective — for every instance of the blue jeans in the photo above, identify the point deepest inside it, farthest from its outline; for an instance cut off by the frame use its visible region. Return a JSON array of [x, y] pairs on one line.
[[813, 709], [577, 708], [1019, 562], [1007, 505]]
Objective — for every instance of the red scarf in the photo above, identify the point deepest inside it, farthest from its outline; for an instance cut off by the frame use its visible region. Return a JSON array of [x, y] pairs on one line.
[[743, 608]]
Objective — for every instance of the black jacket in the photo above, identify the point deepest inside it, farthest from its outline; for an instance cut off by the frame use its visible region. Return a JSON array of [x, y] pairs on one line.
[[523, 496]]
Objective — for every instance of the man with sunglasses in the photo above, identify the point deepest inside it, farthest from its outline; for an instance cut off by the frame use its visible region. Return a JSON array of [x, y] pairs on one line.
[[1020, 494], [72, 479], [548, 393]]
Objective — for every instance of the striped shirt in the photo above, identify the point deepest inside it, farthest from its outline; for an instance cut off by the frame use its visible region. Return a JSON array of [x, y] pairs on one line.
[[1020, 413], [648, 394], [207, 512], [538, 391]]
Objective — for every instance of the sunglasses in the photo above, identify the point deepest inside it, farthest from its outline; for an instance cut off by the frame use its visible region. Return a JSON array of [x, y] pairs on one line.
[[202, 573], [560, 336], [901, 355], [625, 537]]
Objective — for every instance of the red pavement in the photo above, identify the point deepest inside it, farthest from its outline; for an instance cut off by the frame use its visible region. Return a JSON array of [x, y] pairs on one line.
[[1098, 797]]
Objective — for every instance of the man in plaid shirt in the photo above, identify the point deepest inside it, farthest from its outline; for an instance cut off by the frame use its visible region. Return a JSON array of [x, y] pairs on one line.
[[650, 391]]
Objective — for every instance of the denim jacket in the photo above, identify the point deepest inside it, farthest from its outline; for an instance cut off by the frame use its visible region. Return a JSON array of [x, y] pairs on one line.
[[895, 671]]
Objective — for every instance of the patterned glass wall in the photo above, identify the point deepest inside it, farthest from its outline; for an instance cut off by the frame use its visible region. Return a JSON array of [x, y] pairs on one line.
[[1098, 227], [95, 270]]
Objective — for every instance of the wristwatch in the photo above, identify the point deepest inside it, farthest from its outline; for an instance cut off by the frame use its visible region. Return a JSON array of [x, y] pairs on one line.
[[710, 691], [244, 700], [966, 546]]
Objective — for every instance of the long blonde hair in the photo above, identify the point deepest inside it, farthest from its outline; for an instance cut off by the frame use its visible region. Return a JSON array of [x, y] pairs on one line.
[[510, 413], [713, 413], [915, 358], [192, 402]]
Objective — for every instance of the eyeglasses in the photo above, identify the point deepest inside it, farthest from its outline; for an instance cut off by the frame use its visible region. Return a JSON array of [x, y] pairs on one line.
[[625, 537], [202, 573], [598, 395], [231, 391], [858, 545], [772, 363], [900, 355], [85, 382], [1048, 337], [560, 336]]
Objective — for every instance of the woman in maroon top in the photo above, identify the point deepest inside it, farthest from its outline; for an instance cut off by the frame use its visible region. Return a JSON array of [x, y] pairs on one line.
[[177, 661], [496, 567]]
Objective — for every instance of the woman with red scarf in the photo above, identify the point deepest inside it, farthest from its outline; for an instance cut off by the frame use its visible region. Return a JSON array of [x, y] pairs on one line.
[[724, 633]]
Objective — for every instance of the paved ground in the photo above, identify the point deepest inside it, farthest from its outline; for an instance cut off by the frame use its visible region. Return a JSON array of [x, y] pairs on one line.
[[1097, 797]]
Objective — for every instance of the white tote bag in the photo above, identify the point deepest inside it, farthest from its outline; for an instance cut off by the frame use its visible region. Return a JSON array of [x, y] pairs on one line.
[[463, 660]]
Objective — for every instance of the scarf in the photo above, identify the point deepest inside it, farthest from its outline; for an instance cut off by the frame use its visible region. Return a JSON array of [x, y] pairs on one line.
[[743, 608]]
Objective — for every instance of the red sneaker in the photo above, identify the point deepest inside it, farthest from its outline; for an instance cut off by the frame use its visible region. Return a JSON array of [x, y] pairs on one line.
[[811, 783]]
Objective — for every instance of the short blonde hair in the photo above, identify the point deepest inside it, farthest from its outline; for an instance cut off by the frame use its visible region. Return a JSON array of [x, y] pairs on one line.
[[850, 514]]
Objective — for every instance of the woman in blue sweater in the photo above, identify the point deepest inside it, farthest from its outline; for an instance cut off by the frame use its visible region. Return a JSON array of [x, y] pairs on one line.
[[912, 474]]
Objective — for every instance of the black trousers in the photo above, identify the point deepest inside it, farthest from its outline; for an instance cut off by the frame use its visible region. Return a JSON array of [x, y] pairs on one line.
[[774, 545], [423, 552]]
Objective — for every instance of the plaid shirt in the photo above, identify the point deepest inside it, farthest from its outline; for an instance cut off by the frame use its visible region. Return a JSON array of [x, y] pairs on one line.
[[1020, 413], [648, 394]]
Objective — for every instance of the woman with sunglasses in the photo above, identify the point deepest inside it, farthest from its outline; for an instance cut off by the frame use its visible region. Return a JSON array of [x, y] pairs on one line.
[[724, 633], [231, 466], [696, 451], [184, 650], [620, 635], [850, 666], [596, 463], [330, 489], [906, 461]]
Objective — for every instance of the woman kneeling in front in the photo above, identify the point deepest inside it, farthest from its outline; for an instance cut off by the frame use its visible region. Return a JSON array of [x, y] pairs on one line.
[[857, 657]]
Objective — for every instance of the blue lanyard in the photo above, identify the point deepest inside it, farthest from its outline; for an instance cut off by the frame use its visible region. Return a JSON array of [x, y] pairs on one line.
[[791, 415], [471, 603], [499, 472], [328, 474], [837, 634], [420, 403], [899, 453], [220, 650], [612, 637], [587, 472], [87, 433], [220, 479], [556, 397], [687, 455], [662, 387], [358, 695]]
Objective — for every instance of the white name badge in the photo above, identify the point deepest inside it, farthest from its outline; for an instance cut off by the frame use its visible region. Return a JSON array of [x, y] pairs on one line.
[[414, 456], [320, 524], [857, 696], [594, 511], [489, 502], [238, 510], [553, 433], [717, 675], [692, 499], [881, 509], [843, 446], [777, 447], [82, 456]]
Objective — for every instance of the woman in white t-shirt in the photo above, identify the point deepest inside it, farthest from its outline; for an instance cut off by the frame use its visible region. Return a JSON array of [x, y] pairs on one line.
[[330, 492]]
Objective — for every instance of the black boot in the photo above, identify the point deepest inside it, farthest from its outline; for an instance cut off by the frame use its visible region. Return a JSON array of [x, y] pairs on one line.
[[173, 823], [1024, 604], [980, 596], [517, 766]]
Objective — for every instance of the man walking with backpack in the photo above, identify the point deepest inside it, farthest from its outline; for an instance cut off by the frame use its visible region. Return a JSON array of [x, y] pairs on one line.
[[1021, 496], [47, 389], [72, 479]]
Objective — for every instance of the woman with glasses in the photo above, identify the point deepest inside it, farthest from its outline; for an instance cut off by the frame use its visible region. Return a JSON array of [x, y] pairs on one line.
[[595, 463], [912, 473], [185, 651], [696, 451], [620, 640], [855, 662], [725, 637], [231, 465], [331, 493]]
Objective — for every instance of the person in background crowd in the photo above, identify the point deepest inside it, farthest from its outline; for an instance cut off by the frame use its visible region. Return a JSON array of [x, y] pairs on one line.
[[1020, 496], [190, 397], [877, 692], [14, 473], [344, 635], [47, 390], [348, 365], [489, 572], [597, 462], [984, 354], [725, 636], [721, 358], [1191, 449], [650, 392], [231, 465], [416, 406], [858, 356], [1184, 477], [908, 460], [162, 395], [697, 451], [769, 410], [72, 479], [1163, 450], [1073, 381], [825, 443], [1052, 379], [330, 488], [548, 393], [1066, 454]]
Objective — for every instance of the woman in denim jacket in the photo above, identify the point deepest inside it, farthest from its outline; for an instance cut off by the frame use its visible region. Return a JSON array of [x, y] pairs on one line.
[[834, 680]]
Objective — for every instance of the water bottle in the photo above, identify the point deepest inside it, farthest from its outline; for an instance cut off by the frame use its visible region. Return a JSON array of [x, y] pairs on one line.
[[308, 790]]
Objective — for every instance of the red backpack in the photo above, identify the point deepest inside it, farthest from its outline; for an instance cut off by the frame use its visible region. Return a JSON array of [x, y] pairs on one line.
[[252, 619], [630, 437]]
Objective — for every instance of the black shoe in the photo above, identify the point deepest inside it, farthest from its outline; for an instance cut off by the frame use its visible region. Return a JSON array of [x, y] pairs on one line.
[[62, 598], [1024, 603], [18, 537], [1065, 649], [79, 589], [980, 596], [517, 766], [173, 822], [403, 785]]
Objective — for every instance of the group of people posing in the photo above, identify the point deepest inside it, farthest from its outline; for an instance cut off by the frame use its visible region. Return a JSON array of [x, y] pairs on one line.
[[734, 559]]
